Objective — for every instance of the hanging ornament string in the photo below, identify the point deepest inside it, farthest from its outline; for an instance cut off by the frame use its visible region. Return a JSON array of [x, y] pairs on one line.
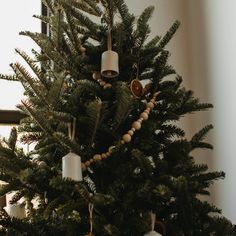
[[109, 43], [71, 129], [110, 59], [110, 26], [136, 125], [71, 163], [153, 220], [91, 218]]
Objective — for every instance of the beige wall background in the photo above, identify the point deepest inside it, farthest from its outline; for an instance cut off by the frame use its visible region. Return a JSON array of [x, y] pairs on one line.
[[203, 53]]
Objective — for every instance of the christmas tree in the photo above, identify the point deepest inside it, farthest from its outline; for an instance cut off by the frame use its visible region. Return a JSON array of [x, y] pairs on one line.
[[103, 106]]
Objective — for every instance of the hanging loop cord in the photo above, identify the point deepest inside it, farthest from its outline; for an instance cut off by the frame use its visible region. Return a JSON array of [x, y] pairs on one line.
[[153, 220], [91, 218], [109, 38], [136, 66], [71, 129], [109, 41]]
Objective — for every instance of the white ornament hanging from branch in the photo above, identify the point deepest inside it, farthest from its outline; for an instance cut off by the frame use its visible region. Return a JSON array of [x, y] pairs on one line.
[[71, 167], [153, 220], [152, 233], [110, 59], [71, 163], [17, 210]]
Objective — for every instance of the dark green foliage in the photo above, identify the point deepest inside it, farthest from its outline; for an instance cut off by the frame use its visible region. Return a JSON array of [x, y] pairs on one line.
[[154, 172]]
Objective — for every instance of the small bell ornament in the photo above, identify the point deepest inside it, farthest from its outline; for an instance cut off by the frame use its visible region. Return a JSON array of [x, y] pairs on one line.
[[71, 167], [110, 60]]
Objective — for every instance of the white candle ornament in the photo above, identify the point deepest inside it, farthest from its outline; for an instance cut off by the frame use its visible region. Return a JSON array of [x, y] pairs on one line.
[[17, 210], [110, 59], [152, 233], [153, 220], [110, 64], [71, 167]]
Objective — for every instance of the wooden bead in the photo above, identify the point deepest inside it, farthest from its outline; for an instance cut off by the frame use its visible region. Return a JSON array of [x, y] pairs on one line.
[[82, 50], [87, 163], [102, 83], [97, 157], [133, 129], [131, 132], [140, 121], [107, 86], [108, 154], [122, 141], [96, 75], [144, 115], [150, 105], [153, 101], [83, 166], [126, 138], [136, 125], [104, 155], [155, 94], [91, 160]]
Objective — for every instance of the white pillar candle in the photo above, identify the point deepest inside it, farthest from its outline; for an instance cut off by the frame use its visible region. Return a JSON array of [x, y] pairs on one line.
[[110, 64], [152, 233], [17, 210], [71, 167]]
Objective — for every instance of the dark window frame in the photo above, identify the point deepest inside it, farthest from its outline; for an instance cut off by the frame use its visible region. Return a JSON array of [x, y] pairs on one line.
[[13, 117]]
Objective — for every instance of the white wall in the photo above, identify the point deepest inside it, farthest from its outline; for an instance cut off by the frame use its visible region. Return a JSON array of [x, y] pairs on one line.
[[15, 16], [221, 46]]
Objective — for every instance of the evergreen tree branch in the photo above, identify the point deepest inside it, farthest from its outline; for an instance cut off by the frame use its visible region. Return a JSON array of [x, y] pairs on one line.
[[165, 40]]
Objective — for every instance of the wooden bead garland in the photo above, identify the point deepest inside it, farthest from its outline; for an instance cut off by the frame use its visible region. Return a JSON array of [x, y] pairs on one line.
[[136, 125], [98, 77]]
